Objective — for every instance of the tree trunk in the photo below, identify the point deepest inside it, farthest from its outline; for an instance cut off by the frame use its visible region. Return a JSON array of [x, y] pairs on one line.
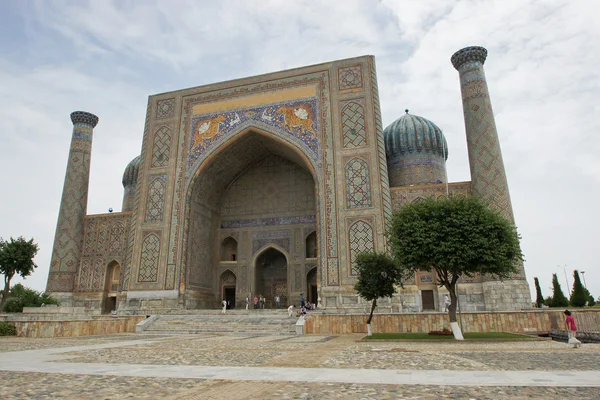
[[5, 291], [373, 305], [452, 312]]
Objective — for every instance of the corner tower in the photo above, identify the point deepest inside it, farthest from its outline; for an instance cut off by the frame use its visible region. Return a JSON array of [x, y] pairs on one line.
[[488, 177], [68, 239]]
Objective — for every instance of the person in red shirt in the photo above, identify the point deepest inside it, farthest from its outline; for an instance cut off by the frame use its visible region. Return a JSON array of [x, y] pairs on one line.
[[572, 330]]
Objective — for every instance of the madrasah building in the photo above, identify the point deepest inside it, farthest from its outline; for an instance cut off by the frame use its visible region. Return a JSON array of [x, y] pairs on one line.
[[271, 185]]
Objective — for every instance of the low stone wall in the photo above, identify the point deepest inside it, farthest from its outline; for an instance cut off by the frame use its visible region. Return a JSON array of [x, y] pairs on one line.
[[70, 328], [513, 321]]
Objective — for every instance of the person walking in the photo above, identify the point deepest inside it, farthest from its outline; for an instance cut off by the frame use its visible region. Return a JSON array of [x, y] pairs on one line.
[[571, 330], [277, 301], [302, 300], [262, 302], [247, 302], [224, 309]]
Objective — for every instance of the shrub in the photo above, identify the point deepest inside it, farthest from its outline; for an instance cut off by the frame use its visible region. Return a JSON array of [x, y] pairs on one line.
[[443, 332], [7, 329], [21, 296]]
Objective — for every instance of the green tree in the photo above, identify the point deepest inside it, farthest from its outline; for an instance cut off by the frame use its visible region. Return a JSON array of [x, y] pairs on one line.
[[457, 236], [578, 296], [378, 276], [548, 301], [21, 296], [558, 298], [591, 301], [16, 257], [539, 298]]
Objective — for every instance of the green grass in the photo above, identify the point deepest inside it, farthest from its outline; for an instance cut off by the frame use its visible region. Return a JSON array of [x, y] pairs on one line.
[[426, 336]]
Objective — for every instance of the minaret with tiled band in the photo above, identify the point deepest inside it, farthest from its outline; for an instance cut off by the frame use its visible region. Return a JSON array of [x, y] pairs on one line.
[[68, 239], [488, 177]]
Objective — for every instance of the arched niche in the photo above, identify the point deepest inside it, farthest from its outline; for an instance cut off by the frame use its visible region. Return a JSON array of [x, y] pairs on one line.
[[311, 245], [112, 286], [270, 275], [228, 282], [229, 249]]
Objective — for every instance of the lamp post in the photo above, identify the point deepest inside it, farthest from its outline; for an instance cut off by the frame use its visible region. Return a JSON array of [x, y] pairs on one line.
[[583, 276], [564, 267]]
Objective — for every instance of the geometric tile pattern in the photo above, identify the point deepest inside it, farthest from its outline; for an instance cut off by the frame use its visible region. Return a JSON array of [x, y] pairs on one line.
[[360, 237], [162, 147], [117, 238], [98, 280], [350, 77], [149, 259], [165, 108], [155, 201], [353, 125], [358, 188], [84, 276]]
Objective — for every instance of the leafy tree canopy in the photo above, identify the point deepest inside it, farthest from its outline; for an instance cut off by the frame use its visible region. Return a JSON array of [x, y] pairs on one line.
[[21, 296], [16, 257], [454, 236], [378, 276]]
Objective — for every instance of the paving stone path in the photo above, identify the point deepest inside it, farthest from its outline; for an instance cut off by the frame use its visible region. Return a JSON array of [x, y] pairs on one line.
[[211, 366]]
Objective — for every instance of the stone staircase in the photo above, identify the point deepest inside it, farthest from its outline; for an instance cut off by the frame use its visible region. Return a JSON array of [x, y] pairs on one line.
[[253, 322]]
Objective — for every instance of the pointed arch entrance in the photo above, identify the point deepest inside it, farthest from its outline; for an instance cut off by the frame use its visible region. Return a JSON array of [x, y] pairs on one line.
[[228, 288], [254, 190], [271, 276]]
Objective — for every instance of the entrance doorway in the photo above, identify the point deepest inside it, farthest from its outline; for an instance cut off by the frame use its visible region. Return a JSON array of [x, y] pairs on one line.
[[311, 286], [111, 287], [229, 296], [427, 299], [271, 277]]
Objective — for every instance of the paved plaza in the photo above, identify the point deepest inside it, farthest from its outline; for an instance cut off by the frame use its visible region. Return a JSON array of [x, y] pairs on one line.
[[208, 366]]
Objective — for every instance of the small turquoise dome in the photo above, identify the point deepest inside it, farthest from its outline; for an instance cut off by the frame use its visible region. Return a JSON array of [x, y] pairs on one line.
[[416, 151], [131, 172], [411, 134]]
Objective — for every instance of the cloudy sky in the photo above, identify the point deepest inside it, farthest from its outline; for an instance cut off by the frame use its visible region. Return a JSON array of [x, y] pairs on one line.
[[106, 57]]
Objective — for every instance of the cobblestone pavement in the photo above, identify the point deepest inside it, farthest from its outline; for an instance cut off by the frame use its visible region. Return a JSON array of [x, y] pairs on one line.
[[281, 352]]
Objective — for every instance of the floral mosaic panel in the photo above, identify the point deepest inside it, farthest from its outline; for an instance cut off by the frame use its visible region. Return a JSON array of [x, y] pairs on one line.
[[155, 202], [149, 259], [354, 131], [360, 237], [358, 187], [298, 119], [161, 147]]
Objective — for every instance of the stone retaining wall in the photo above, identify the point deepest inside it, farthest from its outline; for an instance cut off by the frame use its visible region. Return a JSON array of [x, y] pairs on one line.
[[514, 321], [69, 328]]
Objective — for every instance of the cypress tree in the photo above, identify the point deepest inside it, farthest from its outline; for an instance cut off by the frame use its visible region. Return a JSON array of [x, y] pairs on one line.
[[578, 296], [558, 298], [591, 301], [539, 299]]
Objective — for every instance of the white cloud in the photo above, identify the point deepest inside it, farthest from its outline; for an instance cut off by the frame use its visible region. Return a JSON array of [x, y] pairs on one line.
[[107, 57]]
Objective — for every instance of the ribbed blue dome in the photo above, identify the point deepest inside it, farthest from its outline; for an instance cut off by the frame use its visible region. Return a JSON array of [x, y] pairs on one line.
[[131, 172], [414, 135]]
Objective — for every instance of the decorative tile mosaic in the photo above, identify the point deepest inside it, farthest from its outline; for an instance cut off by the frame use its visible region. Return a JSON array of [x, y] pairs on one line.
[[298, 119], [165, 108], [155, 201], [258, 244], [358, 187], [360, 237], [354, 132], [149, 258], [350, 77], [161, 147], [248, 223]]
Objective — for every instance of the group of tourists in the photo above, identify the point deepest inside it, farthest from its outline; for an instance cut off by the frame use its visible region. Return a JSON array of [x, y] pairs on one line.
[[259, 304]]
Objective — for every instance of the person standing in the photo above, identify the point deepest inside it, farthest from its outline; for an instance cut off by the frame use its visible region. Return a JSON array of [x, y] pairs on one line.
[[255, 302], [447, 302], [572, 330], [224, 309], [247, 302], [277, 301], [302, 300]]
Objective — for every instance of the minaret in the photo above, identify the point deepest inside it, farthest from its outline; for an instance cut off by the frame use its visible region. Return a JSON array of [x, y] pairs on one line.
[[68, 239], [488, 177]]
